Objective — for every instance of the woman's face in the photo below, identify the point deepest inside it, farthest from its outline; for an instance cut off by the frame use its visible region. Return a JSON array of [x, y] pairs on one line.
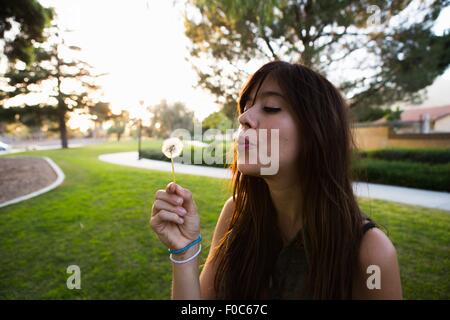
[[268, 110]]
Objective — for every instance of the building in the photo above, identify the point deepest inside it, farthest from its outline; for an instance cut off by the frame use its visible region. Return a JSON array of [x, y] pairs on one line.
[[435, 119]]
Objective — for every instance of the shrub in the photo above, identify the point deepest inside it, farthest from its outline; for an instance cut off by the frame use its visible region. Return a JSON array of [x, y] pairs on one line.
[[403, 173], [156, 154], [432, 156]]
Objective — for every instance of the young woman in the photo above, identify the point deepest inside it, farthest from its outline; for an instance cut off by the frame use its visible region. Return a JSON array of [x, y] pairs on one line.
[[297, 234]]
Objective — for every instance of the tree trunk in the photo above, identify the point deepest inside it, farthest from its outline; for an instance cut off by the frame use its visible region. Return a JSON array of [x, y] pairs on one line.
[[62, 126]]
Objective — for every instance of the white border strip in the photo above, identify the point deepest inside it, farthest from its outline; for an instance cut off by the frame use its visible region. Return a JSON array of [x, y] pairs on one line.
[[59, 179]]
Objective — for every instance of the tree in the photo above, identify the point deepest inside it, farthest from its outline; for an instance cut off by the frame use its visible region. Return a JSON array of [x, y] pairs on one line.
[[168, 117], [391, 55], [367, 114], [51, 66], [119, 123], [217, 120], [33, 117], [100, 112], [392, 115], [32, 19]]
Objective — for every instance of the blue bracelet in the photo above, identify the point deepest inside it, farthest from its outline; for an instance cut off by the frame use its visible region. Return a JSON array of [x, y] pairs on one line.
[[193, 243]]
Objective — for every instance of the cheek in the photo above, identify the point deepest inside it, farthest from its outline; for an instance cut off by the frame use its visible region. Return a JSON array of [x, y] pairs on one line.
[[288, 143]]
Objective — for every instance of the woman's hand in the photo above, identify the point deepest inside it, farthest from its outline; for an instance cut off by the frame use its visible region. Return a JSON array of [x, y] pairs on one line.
[[174, 217]]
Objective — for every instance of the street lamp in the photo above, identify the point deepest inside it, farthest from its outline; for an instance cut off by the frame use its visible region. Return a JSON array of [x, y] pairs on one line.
[[139, 139], [141, 102]]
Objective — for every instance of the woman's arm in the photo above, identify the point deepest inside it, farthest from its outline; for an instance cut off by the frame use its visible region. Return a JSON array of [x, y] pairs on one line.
[[186, 282], [176, 222], [378, 275]]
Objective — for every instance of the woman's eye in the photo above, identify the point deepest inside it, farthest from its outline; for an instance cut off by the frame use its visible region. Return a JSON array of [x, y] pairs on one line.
[[271, 110]]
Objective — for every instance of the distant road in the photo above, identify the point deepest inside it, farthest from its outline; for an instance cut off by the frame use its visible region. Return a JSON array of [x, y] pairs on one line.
[[29, 145]]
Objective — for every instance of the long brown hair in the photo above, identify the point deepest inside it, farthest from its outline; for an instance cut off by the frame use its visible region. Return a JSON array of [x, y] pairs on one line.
[[331, 218]]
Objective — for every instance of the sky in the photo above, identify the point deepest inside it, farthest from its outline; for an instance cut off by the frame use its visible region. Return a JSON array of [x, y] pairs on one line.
[[142, 46]]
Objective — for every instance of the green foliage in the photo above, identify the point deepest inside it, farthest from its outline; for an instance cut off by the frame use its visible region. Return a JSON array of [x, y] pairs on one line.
[[32, 18], [367, 113], [322, 34], [154, 152], [424, 169], [118, 129], [431, 156], [168, 117], [31, 116], [101, 111], [50, 65], [392, 115], [363, 113], [217, 120]]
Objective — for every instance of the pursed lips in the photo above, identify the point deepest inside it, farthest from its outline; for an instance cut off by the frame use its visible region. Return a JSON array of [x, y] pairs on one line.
[[244, 142]]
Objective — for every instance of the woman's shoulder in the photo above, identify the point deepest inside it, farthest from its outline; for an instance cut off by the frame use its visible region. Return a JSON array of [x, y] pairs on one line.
[[227, 212], [378, 254], [375, 244], [229, 204]]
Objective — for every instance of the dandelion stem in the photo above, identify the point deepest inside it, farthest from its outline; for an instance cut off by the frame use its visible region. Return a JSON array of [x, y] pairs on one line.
[[173, 172]]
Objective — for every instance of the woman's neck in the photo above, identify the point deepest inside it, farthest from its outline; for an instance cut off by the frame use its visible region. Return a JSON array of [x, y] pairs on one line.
[[286, 197]]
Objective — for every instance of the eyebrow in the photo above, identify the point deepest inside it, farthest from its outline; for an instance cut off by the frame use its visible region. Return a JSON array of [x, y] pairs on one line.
[[268, 94]]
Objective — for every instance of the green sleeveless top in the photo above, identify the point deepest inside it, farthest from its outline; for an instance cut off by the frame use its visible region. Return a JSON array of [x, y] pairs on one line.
[[288, 279]]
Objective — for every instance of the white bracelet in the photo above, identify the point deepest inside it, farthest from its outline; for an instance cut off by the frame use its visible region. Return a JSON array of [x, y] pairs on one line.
[[188, 259]]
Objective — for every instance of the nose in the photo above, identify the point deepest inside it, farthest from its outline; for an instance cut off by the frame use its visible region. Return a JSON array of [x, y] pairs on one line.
[[248, 119]]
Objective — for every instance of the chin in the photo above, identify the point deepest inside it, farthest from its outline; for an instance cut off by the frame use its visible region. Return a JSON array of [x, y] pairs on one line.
[[249, 169]]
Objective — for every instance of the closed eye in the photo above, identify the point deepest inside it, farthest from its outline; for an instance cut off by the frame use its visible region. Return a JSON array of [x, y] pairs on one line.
[[271, 110]]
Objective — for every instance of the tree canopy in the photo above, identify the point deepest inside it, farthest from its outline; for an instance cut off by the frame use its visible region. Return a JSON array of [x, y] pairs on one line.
[[32, 18], [72, 81], [376, 51]]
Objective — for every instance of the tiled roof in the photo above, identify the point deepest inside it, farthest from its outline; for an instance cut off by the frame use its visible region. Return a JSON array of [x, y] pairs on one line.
[[416, 114]]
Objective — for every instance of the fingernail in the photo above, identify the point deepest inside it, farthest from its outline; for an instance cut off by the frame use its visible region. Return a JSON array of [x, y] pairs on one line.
[[182, 210]]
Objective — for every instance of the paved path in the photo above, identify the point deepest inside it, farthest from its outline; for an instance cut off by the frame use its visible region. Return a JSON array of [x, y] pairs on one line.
[[424, 198], [131, 159]]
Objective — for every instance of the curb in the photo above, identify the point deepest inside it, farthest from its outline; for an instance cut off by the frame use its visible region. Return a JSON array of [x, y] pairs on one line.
[[59, 179]]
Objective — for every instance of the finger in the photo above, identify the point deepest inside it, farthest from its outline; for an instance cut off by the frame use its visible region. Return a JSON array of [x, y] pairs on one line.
[[188, 201], [169, 197], [167, 216], [163, 205], [171, 187]]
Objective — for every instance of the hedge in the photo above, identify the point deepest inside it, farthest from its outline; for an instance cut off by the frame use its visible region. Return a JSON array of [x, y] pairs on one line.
[[423, 169], [431, 156]]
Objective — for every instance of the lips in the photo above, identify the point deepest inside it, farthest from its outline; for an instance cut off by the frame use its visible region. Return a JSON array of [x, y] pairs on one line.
[[244, 142]]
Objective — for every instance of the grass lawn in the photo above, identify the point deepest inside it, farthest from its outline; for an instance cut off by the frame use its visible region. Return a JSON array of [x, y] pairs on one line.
[[98, 219]]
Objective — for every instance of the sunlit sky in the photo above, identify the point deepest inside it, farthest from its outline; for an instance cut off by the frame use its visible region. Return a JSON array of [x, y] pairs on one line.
[[142, 46]]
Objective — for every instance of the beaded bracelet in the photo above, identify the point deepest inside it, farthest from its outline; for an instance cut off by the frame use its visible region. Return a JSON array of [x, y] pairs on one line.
[[187, 260], [176, 251]]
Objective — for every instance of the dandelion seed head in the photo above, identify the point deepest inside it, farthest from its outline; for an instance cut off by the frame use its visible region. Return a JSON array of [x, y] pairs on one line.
[[172, 147]]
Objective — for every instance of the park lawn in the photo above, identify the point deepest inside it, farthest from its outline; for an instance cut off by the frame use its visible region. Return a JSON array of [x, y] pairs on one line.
[[98, 219]]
